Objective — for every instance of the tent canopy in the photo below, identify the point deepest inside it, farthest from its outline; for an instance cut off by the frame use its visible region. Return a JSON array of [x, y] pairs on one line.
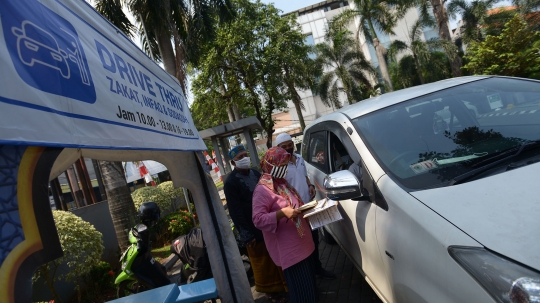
[[74, 85]]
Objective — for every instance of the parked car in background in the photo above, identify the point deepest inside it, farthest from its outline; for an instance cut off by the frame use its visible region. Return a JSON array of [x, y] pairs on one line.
[[444, 202]]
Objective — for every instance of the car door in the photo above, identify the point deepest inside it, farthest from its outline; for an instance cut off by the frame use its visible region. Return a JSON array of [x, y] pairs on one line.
[[356, 232], [360, 226]]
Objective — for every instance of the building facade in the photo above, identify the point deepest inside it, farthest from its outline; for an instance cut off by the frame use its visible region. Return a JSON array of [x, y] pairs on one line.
[[313, 21]]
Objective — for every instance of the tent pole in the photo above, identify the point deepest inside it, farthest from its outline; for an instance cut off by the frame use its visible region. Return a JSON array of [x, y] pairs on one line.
[[215, 224]]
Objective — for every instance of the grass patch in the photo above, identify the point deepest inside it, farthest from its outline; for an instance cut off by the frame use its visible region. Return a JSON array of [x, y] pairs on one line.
[[161, 252]]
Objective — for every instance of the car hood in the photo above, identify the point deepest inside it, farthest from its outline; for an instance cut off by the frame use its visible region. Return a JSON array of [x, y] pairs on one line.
[[501, 212]]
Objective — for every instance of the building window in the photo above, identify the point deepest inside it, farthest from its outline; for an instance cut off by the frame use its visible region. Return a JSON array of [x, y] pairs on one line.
[[309, 40]]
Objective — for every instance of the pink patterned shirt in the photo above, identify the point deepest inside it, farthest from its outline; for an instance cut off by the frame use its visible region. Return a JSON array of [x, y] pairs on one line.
[[283, 243]]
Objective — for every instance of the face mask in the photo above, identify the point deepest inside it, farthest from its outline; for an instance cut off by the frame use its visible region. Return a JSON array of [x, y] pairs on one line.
[[279, 171], [290, 151], [243, 163]]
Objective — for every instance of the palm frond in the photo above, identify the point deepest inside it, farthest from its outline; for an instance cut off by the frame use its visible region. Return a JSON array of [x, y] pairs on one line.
[[397, 47], [112, 10]]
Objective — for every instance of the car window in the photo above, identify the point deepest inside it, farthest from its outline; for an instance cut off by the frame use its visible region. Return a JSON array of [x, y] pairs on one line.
[[431, 140], [339, 157], [317, 155]]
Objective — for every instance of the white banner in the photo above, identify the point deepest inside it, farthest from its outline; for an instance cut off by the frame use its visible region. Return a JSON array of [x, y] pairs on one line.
[[69, 78]]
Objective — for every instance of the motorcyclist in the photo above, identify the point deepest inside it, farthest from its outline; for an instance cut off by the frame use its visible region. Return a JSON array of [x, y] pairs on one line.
[[148, 214]]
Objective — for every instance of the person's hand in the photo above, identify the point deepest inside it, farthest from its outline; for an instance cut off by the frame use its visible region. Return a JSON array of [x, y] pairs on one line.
[[312, 192], [290, 212]]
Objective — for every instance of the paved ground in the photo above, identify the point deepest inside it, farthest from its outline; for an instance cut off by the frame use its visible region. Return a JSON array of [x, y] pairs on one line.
[[348, 286]]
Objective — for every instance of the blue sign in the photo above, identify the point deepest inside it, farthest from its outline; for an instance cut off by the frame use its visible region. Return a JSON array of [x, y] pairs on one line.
[[42, 43]]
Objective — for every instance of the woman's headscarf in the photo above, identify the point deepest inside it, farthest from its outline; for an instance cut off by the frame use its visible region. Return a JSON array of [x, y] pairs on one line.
[[274, 158]]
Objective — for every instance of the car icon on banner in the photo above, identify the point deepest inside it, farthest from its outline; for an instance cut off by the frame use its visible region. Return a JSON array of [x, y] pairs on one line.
[[47, 52], [37, 46]]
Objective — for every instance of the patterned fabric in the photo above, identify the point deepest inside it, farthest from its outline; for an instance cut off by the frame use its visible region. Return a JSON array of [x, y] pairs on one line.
[[236, 150], [274, 158]]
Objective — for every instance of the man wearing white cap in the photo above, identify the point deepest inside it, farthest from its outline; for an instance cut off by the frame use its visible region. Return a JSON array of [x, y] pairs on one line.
[[297, 178]]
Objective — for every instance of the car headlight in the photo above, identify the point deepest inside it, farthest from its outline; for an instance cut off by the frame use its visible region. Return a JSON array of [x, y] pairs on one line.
[[505, 280]]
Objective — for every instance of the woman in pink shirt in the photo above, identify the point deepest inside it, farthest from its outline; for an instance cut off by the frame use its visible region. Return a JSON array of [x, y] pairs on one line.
[[286, 233]]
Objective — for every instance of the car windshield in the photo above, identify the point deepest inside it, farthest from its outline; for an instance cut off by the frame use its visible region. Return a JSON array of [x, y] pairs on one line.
[[456, 134]]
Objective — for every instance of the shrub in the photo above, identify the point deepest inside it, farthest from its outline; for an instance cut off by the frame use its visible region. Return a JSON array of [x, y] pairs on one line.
[[173, 193], [180, 223], [98, 282], [82, 247], [169, 190], [171, 227], [151, 193]]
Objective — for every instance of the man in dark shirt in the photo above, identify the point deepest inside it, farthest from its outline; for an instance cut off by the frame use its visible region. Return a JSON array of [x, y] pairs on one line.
[[239, 187]]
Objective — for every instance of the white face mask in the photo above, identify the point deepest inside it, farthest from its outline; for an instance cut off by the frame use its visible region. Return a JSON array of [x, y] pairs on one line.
[[243, 163]]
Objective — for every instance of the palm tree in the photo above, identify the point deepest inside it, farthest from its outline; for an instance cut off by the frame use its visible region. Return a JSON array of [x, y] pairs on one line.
[[418, 48], [188, 22], [421, 52], [345, 69], [473, 14], [119, 198], [373, 15], [441, 18]]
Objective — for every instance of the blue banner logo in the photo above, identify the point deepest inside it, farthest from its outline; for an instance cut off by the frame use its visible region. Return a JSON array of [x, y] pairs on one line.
[[46, 50]]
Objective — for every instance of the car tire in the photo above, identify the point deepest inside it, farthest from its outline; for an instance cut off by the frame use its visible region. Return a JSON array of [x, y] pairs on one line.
[[327, 236]]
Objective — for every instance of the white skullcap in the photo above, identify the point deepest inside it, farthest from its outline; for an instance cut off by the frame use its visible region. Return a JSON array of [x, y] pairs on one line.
[[283, 137]]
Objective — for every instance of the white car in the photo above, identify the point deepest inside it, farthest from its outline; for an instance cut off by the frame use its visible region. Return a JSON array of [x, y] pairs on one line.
[[439, 189]]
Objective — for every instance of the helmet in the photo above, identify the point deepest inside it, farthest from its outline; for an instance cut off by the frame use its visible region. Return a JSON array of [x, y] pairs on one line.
[[149, 213]]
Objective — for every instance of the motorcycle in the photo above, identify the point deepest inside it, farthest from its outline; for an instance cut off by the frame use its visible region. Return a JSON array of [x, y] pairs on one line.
[[140, 271]]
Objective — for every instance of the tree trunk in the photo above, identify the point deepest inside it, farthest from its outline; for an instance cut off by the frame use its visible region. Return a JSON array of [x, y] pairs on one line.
[[236, 112], [269, 131], [230, 114], [444, 32], [299, 112], [167, 53], [121, 204], [179, 61], [297, 101], [380, 51], [419, 70]]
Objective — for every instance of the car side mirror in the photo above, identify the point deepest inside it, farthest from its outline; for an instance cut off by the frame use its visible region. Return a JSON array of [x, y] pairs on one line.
[[342, 185]]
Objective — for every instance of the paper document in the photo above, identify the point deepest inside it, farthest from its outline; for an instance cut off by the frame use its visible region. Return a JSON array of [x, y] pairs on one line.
[[324, 213]]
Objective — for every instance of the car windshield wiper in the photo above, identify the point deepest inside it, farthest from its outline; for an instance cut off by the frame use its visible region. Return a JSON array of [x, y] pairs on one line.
[[475, 172]]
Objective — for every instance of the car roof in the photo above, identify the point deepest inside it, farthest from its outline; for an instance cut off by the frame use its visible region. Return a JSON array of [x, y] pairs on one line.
[[388, 99]]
